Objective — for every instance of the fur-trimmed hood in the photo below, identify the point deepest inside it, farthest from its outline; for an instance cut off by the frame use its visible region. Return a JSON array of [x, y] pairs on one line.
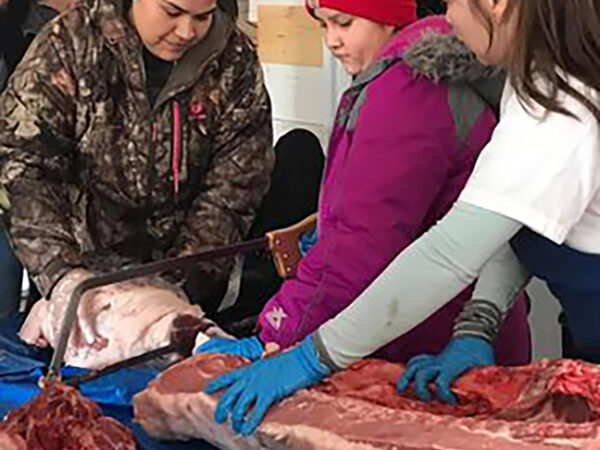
[[444, 57], [430, 49]]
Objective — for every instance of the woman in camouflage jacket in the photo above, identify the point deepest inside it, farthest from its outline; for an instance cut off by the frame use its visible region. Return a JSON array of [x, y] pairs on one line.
[[130, 132]]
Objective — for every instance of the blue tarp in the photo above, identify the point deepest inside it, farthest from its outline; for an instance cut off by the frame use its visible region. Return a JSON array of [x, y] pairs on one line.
[[21, 366]]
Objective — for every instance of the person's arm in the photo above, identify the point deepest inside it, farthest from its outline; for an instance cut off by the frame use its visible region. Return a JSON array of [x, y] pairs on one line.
[[418, 282], [475, 330], [240, 170], [37, 142], [502, 278], [377, 204]]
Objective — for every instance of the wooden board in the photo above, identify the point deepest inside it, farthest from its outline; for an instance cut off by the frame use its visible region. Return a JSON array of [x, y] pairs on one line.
[[288, 35]]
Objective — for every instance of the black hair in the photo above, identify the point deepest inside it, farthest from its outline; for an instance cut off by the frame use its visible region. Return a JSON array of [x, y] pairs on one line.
[[430, 7]]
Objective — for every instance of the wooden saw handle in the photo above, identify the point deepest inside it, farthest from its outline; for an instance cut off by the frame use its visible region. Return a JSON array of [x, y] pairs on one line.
[[285, 246]]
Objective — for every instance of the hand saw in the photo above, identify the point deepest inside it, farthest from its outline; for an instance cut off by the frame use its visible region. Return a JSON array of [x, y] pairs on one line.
[[282, 243], [136, 272]]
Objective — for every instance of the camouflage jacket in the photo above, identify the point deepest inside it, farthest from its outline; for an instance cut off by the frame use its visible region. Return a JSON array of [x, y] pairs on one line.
[[93, 175]]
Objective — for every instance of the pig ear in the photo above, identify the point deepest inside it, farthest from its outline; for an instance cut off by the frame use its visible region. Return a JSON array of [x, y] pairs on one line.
[[31, 331]]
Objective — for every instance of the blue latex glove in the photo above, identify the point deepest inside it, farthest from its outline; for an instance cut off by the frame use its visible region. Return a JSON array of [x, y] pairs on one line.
[[307, 240], [460, 355], [264, 383], [250, 348]]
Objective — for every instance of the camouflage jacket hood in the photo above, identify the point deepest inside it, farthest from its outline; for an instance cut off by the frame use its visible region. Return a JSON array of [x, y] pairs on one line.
[[95, 175]]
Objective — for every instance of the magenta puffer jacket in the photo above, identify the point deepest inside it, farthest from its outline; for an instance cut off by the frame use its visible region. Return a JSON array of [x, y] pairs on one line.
[[402, 149]]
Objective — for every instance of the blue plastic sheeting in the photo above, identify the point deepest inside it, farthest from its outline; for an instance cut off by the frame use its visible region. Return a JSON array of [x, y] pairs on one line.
[[21, 366]]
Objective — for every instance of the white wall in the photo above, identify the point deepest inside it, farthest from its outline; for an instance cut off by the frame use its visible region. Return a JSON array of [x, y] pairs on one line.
[[305, 97]]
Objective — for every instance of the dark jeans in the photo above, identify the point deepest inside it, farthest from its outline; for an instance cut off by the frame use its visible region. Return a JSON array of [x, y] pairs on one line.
[[11, 273], [570, 350]]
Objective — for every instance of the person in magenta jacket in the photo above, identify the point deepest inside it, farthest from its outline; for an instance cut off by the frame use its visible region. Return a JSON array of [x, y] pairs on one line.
[[405, 139]]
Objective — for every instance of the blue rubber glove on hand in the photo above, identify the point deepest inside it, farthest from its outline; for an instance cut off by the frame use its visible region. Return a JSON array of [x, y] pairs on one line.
[[252, 390], [250, 348], [460, 355], [308, 240]]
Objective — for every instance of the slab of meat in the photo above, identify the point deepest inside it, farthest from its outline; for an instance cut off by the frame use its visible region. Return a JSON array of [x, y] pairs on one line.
[[60, 418], [549, 405], [134, 317]]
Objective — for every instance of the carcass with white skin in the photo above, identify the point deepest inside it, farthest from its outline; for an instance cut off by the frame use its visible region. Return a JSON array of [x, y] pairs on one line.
[[115, 322]]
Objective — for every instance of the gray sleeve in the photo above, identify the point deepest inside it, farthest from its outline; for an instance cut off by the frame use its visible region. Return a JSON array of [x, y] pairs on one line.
[[422, 279], [501, 279]]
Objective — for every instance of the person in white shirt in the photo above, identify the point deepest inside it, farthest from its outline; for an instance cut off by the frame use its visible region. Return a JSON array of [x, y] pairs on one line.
[[532, 206]]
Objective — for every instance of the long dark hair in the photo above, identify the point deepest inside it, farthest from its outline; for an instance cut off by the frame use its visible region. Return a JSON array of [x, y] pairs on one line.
[[430, 7], [551, 35]]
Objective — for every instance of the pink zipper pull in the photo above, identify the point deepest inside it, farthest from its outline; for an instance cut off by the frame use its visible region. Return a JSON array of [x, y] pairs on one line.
[[154, 133], [176, 145]]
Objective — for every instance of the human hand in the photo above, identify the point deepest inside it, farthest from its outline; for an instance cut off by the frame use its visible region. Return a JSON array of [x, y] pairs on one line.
[[252, 390], [460, 355], [250, 348]]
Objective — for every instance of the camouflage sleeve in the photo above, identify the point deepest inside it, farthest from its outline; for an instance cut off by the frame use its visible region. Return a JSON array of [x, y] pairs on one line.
[[239, 174], [36, 158]]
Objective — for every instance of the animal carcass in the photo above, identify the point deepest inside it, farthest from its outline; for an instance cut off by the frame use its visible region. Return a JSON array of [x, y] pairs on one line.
[[549, 405], [131, 318]]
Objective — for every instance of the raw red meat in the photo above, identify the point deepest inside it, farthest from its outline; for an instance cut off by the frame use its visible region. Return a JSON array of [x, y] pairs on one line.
[[549, 405], [60, 418], [521, 393]]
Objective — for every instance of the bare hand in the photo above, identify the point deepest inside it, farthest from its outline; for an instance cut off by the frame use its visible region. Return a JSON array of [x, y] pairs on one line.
[[271, 347]]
